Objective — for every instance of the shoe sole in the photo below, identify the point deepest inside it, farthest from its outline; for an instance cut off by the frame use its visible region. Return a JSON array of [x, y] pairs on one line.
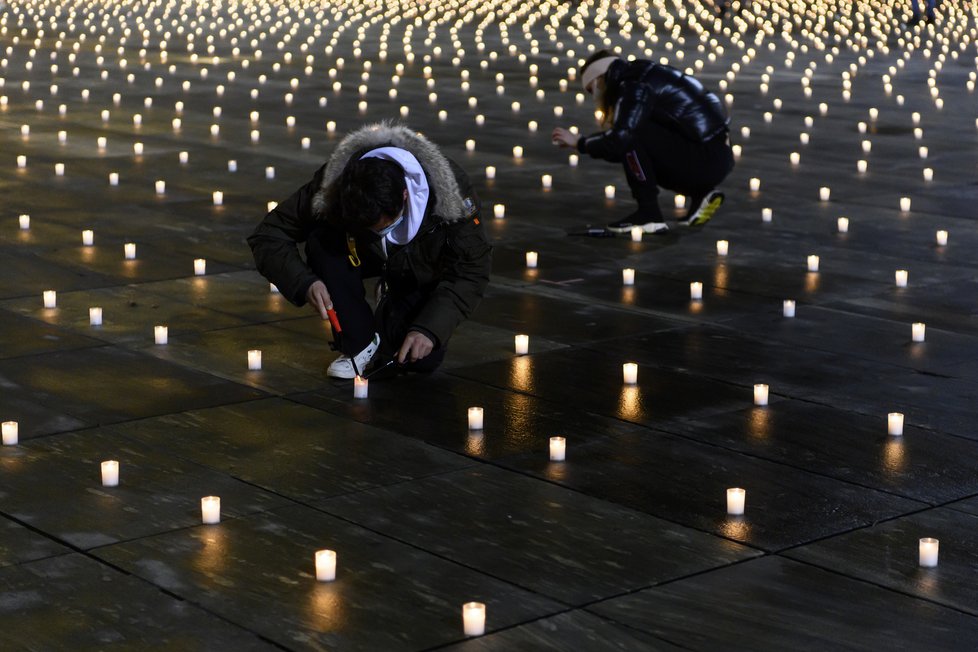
[[704, 214]]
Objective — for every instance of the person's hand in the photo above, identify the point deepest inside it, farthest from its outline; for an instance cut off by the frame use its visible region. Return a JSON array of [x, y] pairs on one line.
[[563, 138], [319, 298], [416, 346]]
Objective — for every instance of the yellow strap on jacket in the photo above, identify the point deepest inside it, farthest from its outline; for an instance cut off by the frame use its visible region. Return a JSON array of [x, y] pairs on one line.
[[351, 245]]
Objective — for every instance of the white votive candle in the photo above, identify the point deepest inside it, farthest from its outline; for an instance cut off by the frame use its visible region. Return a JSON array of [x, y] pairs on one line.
[[490, 172], [161, 187], [9, 432], [218, 197], [722, 247], [95, 316], [558, 449], [696, 290], [767, 214], [928, 174], [760, 394], [628, 276], [88, 237], [905, 204], [183, 157], [754, 184], [636, 233], [476, 416], [137, 148], [918, 330], [325, 565], [572, 160], [499, 211], [522, 344], [894, 423], [795, 158], [254, 360], [531, 259], [736, 497], [843, 224], [361, 387], [200, 266], [629, 373], [110, 473], [210, 510], [679, 201], [232, 166], [161, 334], [824, 193], [901, 278], [474, 618], [788, 308], [470, 145], [813, 263], [22, 161], [113, 178], [941, 238], [129, 249], [50, 299], [25, 222], [928, 551], [609, 192], [517, 152], [546, 181], [59, 169]]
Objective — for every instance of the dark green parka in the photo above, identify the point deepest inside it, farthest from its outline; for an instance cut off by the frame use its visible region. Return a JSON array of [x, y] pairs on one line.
[[449, 258]]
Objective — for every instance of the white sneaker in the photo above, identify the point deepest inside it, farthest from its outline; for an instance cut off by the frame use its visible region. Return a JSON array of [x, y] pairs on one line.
[[342, 367]]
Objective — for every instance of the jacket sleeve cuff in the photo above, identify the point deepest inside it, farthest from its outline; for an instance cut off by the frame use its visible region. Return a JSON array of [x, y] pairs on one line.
[[424, 331], [581, 146]]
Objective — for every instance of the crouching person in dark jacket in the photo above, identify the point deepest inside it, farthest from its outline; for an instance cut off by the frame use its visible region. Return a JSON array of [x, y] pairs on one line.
[[387, 204], [665, 128]]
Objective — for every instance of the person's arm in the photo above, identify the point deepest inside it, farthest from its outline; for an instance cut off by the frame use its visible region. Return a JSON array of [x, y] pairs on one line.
[[274, 241], [612, 145]]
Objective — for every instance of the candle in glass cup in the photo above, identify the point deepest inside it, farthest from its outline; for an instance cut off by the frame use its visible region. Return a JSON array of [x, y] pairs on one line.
[[490, 172], [901, 276], [546, 181], [113, 178], [95, 316], [628, 276], [696, 290], [862, 165], [609, 192], [9, 431], [522, 344], [88, 237], [824, 193], [474, 618], [754, 184], [517, 152], [722, 247], [736, 498], [476, 418], [499, 211], [813, 263], [218, 198], [760, 394], [894, 423], [161, 334], [110, 473], [928, 552], [50, 299], [325, 565], [905, 204], [130, 250], [210, 510], [629, 373], [531, 259], [254, 360], [843, 224], [25, 222], [788, 308], [941, 238], [361, 387], [637, 232], [918, 331], [161, 187], [767, 214], [558, 449], [200, 267]]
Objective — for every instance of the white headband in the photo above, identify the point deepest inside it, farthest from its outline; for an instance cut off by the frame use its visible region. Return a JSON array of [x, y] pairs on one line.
[[595, 70]]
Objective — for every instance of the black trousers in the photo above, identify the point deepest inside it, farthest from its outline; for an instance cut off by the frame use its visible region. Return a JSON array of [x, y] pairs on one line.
[[664, 158], [327, 256]]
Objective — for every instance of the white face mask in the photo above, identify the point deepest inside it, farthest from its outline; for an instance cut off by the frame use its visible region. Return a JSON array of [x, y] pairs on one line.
[[383, 232]]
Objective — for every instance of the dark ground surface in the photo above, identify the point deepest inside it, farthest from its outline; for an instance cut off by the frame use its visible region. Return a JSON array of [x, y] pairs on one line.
[[626, 545]]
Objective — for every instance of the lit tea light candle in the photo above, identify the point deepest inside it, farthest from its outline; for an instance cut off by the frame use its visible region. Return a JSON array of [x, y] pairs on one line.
[[824, 193], [200, 266], [470, 145], [361, 387], [499, 211], [558, 449], [754, 184], [50, 299], [928, 174], [254, 360], [609, 192], [901, 278], [546, 181], [210, 510], [25, 222], [88, 237], [95, 316], [161, 334], [628, 276], [941, 238], [325, 565], [232, 166], [161, 187], [905, 204], [918, 331], [137, 149], [59, 169], [813, 263], [522, 344], [184, 157], [695, 290], [736, 497], [110, 473], [760, 394], [517, 152], [9, 432], [679, 201], [767, 214], [722, 247], [843, 224], [636, 233], [474, 618], [629, 373], [476, 416], [788, 308], [928, 552], [269, 172], [922, 151], [218, 198], [129, 250], [113, 178], [894, 423], [531, 259], [795, 158], [862, 166], [572, 160], [490, 172]]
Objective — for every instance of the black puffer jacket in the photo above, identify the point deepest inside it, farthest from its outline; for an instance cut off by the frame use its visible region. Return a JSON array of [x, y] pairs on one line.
[[641, 90]]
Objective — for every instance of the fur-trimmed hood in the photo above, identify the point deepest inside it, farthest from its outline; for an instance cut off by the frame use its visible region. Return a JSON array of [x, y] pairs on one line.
[[448, 198]]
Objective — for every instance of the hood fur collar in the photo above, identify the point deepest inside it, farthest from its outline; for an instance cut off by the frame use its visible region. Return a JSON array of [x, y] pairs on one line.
[[448, 197]]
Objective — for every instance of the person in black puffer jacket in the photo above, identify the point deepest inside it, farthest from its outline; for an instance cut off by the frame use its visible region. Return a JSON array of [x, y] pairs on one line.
[[665, 128]]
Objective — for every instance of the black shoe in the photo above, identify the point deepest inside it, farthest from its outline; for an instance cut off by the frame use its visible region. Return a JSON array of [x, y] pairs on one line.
[[701, 211], [648, 226]]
